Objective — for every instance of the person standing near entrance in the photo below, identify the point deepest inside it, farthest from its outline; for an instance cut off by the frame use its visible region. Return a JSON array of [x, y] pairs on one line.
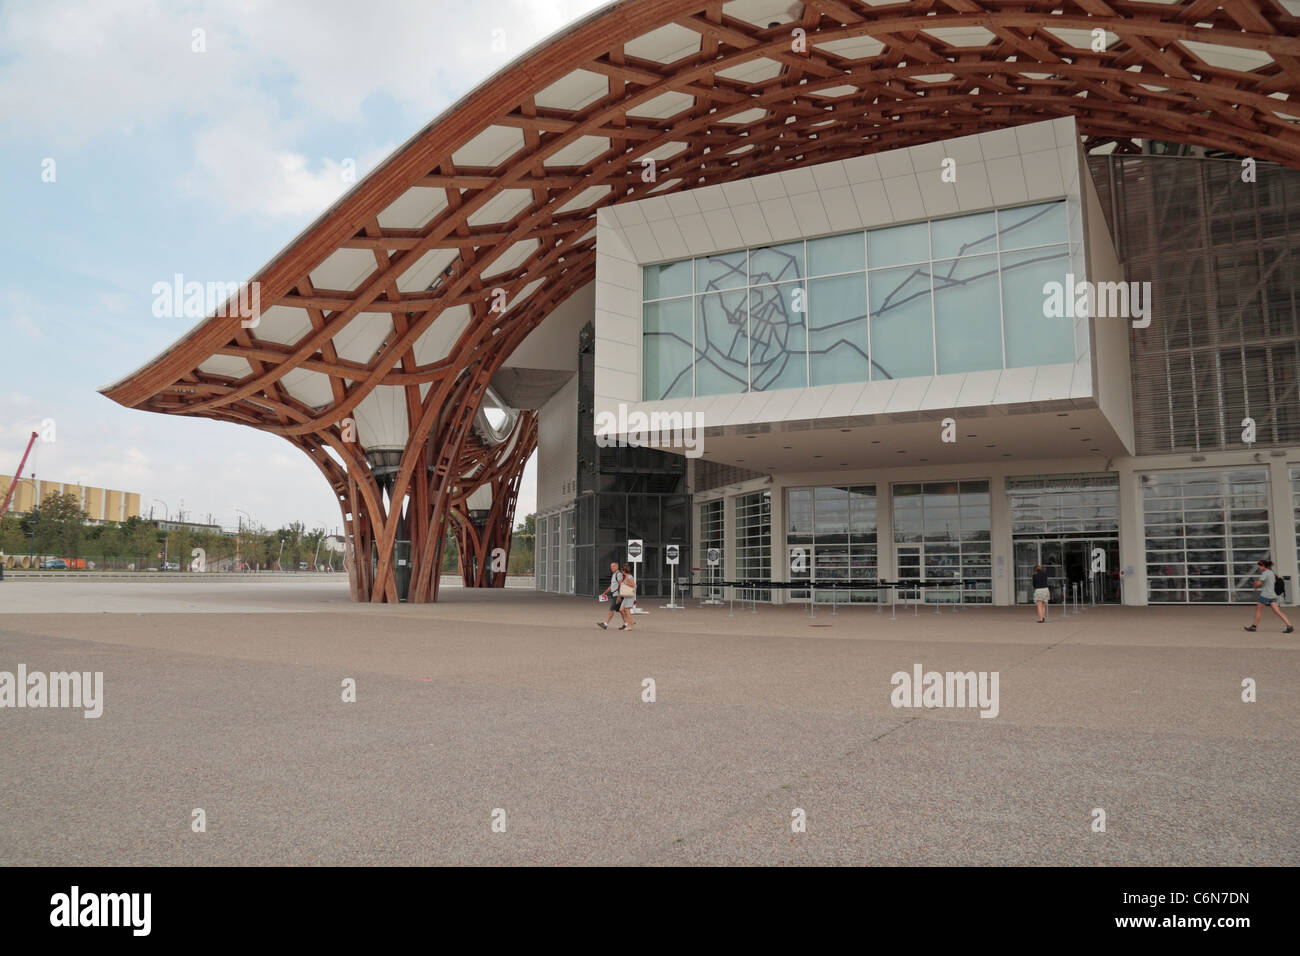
[[615, 602], [1042, 593], [1269, 592], [627, 596]]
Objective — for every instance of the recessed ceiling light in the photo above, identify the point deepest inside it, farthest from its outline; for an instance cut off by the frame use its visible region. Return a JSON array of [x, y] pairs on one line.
[[1006, 454], [750, 436], [846, 429], [902, 453], [972, 436], [816, 456], [875, 441], [787, 447], [844, 464], [1075, 428], [990, 446], [925, 459], [1062, 414]]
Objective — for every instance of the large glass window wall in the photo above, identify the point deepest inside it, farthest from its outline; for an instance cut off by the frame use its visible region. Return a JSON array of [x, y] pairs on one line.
[[835, 530], [1205, 532], [960, 294], [754, 541], [942, 536]]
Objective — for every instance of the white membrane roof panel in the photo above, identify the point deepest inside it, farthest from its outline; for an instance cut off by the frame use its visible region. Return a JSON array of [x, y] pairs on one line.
[[962, 36], [585, 198], [512, 258], [361, 339], [1228, 57], [762, 13], [427, 268], [853, 48], [229, 366], [381, 419], [502, 207], [310, 388], [343, 269], [436, 341], [663, 106], [491, 148], [755, 71], [667, 44], [574, 91], [580, 152], [282, 324], [746, 116], [413, 208]]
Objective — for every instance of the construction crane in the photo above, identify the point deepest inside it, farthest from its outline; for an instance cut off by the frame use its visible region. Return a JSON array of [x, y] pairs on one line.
[[4, 509]]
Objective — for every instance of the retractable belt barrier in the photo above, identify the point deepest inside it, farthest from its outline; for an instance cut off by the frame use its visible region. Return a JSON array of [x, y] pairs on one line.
[[917, 586], [865, 584]]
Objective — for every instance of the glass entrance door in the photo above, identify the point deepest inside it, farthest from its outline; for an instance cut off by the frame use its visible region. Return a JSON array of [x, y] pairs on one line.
[[1068, 564]]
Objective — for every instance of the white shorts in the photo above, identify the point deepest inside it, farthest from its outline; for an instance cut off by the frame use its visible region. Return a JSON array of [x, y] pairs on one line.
[[1042, 594]]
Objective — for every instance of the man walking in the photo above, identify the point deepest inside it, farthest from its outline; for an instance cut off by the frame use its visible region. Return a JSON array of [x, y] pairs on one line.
[[615, 602], [1269, 592]]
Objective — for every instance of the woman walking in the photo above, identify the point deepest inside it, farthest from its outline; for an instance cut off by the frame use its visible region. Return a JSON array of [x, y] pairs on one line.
[[1042, 593], [627, 596], [1270, 591]]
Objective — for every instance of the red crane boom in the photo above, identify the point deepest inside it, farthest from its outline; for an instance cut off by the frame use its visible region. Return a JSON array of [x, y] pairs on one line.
[[4, 509]]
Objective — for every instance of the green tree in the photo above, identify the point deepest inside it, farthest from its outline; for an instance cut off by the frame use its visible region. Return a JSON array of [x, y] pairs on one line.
[[108, 543], [13, 540], [313, 550], [179, 544], [59, 523], [140, 543]]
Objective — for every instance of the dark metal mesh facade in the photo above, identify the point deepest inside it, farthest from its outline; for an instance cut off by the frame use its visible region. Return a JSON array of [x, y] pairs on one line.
[[1223, 260], [624, 493]]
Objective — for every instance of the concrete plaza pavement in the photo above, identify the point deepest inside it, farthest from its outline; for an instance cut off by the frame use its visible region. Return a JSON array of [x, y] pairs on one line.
[[227, 698]]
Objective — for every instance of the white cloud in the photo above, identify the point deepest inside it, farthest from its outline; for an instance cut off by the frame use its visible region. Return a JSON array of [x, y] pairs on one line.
[[80, 68], [272, 73], [261, 179]]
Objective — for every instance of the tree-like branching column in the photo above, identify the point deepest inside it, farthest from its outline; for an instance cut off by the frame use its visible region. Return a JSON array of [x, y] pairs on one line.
[[493, 475]]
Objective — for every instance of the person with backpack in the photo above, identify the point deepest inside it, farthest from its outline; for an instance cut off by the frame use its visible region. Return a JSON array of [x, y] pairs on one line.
[[1270, 590]]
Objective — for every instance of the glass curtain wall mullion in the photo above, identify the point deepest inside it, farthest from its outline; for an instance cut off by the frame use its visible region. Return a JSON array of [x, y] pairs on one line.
[[712, 535], [807, 318], [1002, 306], [754, 540], [934, 326], [866, 286]]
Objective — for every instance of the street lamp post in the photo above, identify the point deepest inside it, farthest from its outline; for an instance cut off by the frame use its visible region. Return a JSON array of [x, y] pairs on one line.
[[36, 512], [166, 533], [240, 514]]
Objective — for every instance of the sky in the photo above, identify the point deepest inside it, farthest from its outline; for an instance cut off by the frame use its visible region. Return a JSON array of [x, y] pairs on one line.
[[128, 154]]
